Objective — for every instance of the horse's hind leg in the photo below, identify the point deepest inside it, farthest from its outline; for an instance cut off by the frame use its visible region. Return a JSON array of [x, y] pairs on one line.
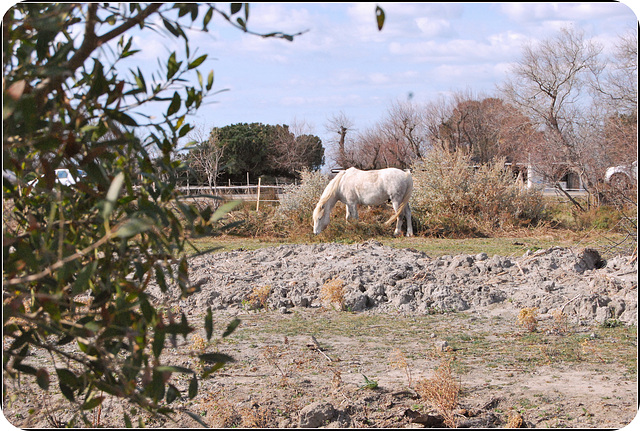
[[398, 230], [407, 216]]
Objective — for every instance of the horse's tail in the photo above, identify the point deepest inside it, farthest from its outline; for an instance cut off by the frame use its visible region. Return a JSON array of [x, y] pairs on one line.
[[404, 203], [328, 192]]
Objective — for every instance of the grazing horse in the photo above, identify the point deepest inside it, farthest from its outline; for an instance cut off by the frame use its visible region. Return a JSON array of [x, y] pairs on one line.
[[353, 187]]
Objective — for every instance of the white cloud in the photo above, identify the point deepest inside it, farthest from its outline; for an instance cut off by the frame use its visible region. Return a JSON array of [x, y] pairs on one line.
[[287, 18], [379, 78], [345, 63], [433, 27], [563, 11]]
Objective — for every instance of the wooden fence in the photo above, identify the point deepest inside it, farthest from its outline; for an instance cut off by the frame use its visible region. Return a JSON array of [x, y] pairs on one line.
[[253, 193]]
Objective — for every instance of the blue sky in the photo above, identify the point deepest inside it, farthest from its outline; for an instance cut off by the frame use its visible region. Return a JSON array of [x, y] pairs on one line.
[[344, 64]]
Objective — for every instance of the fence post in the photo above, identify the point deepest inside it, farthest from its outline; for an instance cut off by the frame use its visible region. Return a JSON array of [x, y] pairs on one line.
[[258, 200]]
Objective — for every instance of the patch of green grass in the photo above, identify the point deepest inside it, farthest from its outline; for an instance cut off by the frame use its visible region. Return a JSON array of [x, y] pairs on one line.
[[515, 245]]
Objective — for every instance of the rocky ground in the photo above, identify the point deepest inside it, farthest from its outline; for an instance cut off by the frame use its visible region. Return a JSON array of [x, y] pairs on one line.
[[581, 284], [352, 335]]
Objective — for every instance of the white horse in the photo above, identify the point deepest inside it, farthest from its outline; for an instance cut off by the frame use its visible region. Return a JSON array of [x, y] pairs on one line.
[[353, 187]]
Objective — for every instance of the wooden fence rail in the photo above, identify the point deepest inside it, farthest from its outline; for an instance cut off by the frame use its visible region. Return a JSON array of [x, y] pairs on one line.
[[243, 192]]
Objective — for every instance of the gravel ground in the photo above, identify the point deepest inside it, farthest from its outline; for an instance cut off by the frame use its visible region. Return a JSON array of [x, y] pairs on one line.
[[378, 278]]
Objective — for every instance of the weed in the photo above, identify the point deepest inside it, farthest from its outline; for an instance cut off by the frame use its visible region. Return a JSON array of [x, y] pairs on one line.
[[258, 297], [559, 324], [272, 355], [369, 383], [399, 360], [589, 349], [332, 291], [336, 380], [612, 323], [441, 391], [514, 421], [256, 417], [528, 318], [198, 343]]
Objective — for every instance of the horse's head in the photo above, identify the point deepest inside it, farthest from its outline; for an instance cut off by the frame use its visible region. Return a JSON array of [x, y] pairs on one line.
[[322, 212], [320, 218]]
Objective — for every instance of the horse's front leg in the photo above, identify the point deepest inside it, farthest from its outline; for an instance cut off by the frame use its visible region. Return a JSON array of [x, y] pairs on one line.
[[352, 211]]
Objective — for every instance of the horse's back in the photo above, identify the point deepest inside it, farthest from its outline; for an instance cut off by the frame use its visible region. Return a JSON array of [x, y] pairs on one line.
[[374, 187]]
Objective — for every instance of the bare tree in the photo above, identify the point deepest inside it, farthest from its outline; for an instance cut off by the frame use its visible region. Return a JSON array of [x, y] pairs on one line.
[[435, 114], [371, 150], [405, 132], [207, 157], [341, 127], [484, 127], [619, 85], [549, 85]]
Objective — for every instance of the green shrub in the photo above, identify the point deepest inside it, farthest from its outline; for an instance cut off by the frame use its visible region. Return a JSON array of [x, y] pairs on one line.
[[605, 217]]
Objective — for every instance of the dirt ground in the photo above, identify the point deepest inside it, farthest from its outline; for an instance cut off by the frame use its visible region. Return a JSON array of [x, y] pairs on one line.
[[336, 335]]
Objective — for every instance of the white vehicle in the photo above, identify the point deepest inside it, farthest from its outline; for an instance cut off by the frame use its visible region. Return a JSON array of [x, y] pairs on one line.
[[64, 177], [9, 176], [622, 175]]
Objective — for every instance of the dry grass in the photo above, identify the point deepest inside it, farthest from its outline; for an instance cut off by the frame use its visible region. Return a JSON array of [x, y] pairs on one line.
[[528, 318], [441, 391], [198, 343], [220, 413], [591, 350], [259, 296], [560, 324], [515, 421], [332, 292], [397, 359], [273, 354]]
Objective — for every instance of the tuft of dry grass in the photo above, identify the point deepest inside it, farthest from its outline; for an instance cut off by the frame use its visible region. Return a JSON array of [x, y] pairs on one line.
[[515, 421], [397, 359], [528, 318], [332, 292], [560, 322], [256, 417], [590, 349], [198, 343], [441, 391], [220, 413], [259, 296]]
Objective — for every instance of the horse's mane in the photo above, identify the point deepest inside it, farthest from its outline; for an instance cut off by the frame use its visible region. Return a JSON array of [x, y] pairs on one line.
[[329, 191]]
